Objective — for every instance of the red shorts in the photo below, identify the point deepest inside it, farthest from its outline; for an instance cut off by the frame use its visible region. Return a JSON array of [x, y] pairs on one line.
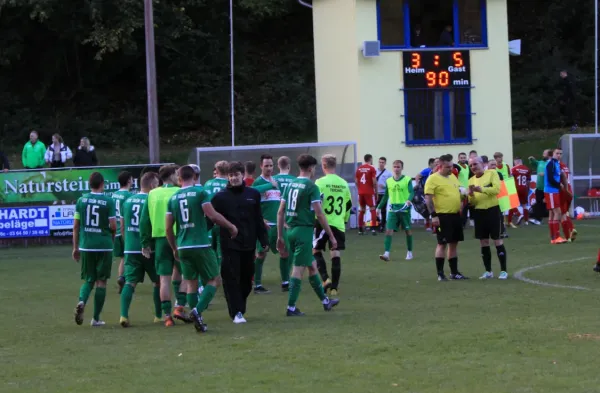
[[368, 200], [565, 202], [552, 200], [523, 194]]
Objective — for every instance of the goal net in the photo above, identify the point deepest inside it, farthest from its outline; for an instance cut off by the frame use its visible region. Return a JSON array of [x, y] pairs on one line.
[[581, 152]]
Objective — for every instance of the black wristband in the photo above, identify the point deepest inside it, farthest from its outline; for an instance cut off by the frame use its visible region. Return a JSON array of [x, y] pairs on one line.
[[434, 214]]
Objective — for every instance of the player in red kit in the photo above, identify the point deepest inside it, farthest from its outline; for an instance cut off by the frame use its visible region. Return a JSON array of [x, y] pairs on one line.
[[522, 175], [366, 181], [566, 197]]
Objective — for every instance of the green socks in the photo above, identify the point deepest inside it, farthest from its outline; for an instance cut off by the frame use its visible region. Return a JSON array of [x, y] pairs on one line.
[[99, 298], [284, 269], [317, 286], [206, 297], [295, 285], [166, 307], [192, 299], [84, 291], [387, 243], [126, 297], [409, 242], [258, 268], [180, 296], [156, 296]]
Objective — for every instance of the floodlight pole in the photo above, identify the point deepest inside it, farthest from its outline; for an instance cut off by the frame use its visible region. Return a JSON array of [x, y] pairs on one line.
[[231, 80], [153, 139], [596, 66]]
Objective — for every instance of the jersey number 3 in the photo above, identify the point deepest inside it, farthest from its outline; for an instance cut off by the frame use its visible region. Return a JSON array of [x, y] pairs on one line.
[[330, 208]]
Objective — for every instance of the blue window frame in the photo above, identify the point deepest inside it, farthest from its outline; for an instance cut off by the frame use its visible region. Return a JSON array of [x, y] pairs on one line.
[[396, 23], [437, 116]]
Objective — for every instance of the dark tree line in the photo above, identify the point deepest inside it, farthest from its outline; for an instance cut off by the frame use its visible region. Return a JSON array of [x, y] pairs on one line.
[[78, 68]]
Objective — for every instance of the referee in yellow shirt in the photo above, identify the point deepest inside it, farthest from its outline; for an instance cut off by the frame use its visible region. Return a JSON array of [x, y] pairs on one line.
[[483, 197], [443, 198]]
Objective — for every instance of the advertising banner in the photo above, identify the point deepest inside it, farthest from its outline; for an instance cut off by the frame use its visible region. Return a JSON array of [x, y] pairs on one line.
[[64, 184], [61, 220], [30, 221]]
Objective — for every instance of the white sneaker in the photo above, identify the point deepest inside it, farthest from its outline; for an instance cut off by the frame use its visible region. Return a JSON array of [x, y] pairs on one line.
[[487, 275], [503, 276], [97, 323], [385, 257], [409, 256], [239, 318]]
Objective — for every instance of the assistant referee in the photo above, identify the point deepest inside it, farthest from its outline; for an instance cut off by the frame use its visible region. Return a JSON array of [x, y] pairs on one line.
[[443, 198], [484, 188]]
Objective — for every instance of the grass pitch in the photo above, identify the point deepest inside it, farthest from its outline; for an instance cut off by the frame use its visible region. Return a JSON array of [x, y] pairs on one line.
[[396, 329]]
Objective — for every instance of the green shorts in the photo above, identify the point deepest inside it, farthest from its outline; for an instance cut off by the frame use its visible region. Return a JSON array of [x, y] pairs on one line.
[[300, 245], [272, 235], [199, 264], [137, 266], [118, 247], [96, 265], [163, 257], [398, 220]]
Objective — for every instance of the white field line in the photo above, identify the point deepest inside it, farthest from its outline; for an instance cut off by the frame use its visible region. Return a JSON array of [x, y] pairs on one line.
[[520, 275]]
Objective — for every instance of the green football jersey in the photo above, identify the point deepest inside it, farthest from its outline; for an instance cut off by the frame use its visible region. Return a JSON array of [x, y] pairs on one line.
[[215, 185], [336, 199], [301, 194], [284, 181], [94, 211], [270, 198], [120, 197], [186, 208], [132, 211]]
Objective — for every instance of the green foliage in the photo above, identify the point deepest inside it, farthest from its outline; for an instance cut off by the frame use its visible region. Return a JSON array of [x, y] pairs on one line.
[[78, 68]]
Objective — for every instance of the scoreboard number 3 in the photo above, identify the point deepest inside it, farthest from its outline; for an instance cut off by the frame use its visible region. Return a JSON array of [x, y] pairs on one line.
[[432, 69]]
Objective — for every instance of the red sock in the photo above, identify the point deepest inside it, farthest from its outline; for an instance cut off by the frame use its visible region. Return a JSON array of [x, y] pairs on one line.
[[566, 229], [551, 227], [571, 226], [525, 214], [361, 219], [511, 212], [373, 219], [556, 229]]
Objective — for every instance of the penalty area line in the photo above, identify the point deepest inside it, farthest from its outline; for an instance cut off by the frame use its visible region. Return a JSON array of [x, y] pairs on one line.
[[520, 275]]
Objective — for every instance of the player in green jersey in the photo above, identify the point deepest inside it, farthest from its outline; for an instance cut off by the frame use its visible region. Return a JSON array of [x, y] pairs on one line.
[[218, 183], [284, 179], [399, 193], [297, 209], [94, 229], [270, 198], [187, 211], [152, 231], [337, 203], [125, 181], [136, 265]]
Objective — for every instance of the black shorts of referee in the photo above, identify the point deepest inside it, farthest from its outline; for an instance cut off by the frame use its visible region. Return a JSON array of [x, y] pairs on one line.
[[321, 238], [488, 223], [450, 229]]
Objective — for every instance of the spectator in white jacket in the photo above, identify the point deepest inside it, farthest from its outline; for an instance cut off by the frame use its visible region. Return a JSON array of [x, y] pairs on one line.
[[57, 153]]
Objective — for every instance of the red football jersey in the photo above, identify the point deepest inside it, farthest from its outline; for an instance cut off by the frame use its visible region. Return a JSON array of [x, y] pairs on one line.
[[248, 181], [565, 169], [522, 175], [365, 176], [454, 170]]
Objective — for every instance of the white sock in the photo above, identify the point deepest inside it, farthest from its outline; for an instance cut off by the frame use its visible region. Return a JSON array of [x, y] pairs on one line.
[[386, 254], [285, 283], [292, 308], [325, 301]]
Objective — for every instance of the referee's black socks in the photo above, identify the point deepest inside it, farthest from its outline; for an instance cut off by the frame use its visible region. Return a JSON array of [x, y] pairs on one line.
[[453, 262], [321, 265], [336, 272], [486, 256], [501, 252], [439, 265]]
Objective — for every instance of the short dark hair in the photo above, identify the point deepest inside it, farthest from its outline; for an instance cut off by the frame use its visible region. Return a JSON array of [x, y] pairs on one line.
[[265, 157], [554, 150], [305, 161], [186, 173], [368, 157], [430, 161], [445, 158], [484, 159], [96, 180], [124, 178], [249, 166], [235, 167], [460, 154], [150, 179], [473, 151], [166, 171], [382, 159]]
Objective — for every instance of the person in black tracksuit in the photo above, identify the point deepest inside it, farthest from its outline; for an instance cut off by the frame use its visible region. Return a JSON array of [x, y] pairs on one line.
[[240, 205]]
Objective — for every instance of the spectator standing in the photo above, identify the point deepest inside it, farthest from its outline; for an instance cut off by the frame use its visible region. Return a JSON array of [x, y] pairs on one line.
[[539, 208], [4, 164], [382, 174], [85, 154], [58, 153], [33, 152]]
